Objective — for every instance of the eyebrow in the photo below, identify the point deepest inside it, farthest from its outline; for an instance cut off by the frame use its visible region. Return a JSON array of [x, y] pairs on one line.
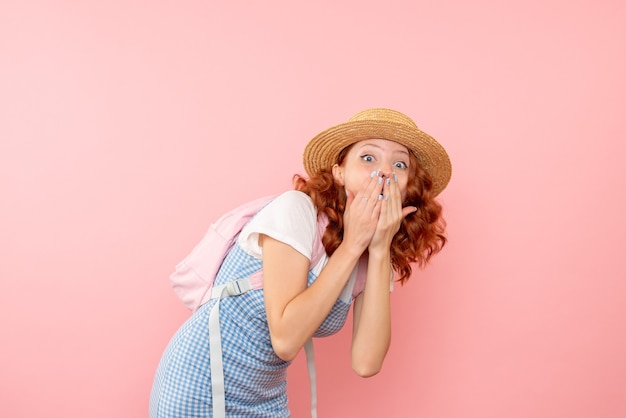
[[366, 144]]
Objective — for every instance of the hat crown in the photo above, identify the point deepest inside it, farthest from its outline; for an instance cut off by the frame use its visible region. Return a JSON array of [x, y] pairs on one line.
[[384, 115]]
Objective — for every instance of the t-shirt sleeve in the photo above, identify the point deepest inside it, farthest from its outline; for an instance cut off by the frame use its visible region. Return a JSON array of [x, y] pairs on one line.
[[290, 218]]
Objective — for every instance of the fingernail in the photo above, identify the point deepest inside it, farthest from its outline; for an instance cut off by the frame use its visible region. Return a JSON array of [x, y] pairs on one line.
[[386, 197], [373, 174], [380, 196], [395, 178], [388, 181], [380, 180]]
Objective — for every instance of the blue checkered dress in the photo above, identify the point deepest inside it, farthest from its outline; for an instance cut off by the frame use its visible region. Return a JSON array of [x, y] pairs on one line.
[[254, 376]]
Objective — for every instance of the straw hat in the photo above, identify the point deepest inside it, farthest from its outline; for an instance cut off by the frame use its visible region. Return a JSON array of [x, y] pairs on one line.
[[322, 151]]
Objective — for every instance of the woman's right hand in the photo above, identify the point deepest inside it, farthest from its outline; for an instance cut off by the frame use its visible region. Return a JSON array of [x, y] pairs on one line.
[[360, 218]]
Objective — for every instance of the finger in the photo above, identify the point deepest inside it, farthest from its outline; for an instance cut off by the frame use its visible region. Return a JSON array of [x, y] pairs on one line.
[[397, 193], [377, 193], [372, 188], [407, 210], [349, 196], [393, 200], [388, 205], [375, 186], [392, 194]]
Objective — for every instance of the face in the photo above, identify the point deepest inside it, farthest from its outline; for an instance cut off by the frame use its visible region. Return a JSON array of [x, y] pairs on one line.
[[372, 155]]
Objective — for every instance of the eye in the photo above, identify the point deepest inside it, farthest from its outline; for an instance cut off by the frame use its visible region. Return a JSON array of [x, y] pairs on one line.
[[401, 165], [368, 158]]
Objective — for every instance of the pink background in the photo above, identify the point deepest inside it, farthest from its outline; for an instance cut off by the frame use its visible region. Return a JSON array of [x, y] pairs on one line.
[[126, 126]]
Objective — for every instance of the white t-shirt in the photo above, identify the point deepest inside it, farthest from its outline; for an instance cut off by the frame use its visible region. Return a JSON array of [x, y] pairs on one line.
[[290, 218]]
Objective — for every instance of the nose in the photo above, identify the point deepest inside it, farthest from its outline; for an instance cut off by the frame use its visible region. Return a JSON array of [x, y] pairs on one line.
[[386, 171]]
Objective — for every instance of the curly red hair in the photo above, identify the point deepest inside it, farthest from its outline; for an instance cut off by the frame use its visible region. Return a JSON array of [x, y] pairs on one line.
[[421, 234]]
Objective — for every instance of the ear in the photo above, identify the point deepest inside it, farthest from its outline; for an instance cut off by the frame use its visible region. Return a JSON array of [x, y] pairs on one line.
[[338, 174]]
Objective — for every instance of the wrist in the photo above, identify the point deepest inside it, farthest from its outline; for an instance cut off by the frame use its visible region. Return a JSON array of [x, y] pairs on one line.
[[382, 254], [350, 252]]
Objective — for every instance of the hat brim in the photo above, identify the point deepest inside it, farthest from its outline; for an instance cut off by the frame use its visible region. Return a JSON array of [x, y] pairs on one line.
[[323, 150]]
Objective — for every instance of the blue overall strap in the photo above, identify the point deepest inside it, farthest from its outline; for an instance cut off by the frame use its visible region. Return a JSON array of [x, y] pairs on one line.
[[218, 393], [310, 364]]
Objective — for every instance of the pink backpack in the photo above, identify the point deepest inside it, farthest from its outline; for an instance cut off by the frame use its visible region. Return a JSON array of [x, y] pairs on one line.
[[193, 278]]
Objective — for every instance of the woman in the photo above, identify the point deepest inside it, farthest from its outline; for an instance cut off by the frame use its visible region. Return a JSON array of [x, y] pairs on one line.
[[371, 188]]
